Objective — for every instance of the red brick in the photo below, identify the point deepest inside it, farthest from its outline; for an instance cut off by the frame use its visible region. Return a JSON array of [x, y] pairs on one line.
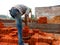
[[41, 43], [56, 43], [36, 30]]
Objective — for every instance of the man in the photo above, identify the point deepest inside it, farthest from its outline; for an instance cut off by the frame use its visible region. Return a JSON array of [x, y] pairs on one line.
[[16, 12]]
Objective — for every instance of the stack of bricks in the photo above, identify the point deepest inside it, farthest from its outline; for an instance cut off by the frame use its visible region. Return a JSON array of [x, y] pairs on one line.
[[1, 25], [42, 20], [39, 38], [56, 42], [41, 43], [8, 36]]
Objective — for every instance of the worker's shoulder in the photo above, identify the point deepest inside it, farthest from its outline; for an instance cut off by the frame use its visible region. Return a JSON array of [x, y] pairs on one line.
[[20, 6]]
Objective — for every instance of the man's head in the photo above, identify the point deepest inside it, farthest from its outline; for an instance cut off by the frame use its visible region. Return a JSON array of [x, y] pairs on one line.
[[14, 12]]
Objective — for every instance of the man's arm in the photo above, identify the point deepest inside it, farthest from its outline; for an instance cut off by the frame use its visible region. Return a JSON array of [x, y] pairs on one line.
[[27, 15], [28, 11]]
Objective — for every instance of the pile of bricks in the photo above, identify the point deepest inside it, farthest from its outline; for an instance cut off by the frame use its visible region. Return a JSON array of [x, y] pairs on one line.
[[8, 36], [54, 20], [1, 25], [42, 20]]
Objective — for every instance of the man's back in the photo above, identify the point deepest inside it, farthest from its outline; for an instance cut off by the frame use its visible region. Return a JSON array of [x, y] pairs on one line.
[[22, 9]]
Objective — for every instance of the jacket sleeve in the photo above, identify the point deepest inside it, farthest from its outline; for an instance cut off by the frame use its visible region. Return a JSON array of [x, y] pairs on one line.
[[28, 11]]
